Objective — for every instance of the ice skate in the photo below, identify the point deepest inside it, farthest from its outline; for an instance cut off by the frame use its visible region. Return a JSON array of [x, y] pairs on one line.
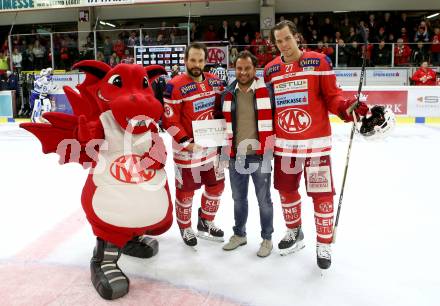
[[323, 255], [292, 242], [189, 237], [208, 231]]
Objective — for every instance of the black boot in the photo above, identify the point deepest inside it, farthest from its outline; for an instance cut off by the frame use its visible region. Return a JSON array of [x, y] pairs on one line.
[[110, 282], [141, 247]]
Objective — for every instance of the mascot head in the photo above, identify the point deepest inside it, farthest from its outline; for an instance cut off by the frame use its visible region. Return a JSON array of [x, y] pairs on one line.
[[125, 90]]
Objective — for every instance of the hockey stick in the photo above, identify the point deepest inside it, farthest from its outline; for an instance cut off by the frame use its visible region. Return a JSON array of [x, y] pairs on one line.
[[363, 33]]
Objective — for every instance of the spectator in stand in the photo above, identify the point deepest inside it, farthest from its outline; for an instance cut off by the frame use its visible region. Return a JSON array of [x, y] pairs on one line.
[[247, 42], [17, 58], [257, 42], [263, 57], [387, 23], [119, 48], [404, 35], [314, 39], [372, 25], [424, 76], [224, 31], [403, 23], [210, 34], [419, 54], [324, 49], [402, 53], [304, 47], [107, 49], [28, 58], [343, 53], [247, 29], [345, 28], [391, 38], [233, 55], [100, 57], [39, 54], [327, 29], [114, 60], [148, 41], [127, 58], [422, 33], [381, 35], [4, 63], [174, 72], [355, 55], [381, 55], [165, 32], [337, 37], [435, 47], [352, 36], [237, 32], [133, 40]]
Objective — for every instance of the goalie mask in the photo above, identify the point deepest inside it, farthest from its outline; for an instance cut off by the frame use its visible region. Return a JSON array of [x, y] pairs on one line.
[[380, 122]]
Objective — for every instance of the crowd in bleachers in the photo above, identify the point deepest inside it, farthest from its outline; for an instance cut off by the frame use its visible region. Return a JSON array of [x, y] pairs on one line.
[[336, 35]]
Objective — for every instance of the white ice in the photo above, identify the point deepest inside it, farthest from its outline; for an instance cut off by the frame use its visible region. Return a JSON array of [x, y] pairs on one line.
[[386, 252]]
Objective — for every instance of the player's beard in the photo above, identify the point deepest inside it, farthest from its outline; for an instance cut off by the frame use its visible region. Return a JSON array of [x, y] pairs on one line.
[[194, 72], [248, 83]]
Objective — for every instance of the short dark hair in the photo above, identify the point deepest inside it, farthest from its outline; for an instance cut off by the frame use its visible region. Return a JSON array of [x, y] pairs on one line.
[[196, 45], [246, 54], [281, 25]]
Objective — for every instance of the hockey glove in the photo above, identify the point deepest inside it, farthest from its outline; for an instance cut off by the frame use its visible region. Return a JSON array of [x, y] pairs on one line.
[[361, 110]]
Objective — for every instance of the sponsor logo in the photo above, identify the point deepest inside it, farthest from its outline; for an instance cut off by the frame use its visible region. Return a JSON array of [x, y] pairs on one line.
[[314, 62], [308, 68], [273, 69], [216, 55], [127, 169], [168, 111], [319, 180], [382, 74], [292, 85], [294, 120], [346, 74], [188, 88], [215, 82], [429, 99], [208, 115], [296, 98], [204, 104], [203, 87], [326, 207]]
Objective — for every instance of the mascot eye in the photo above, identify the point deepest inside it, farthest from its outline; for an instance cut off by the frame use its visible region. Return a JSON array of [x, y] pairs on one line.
[[145, 83], [115, 80]]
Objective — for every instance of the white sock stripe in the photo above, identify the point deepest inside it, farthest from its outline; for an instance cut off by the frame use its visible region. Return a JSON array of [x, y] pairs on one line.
[[324, 236], [208, 212], [112, 271], [294, 221], [329, 215], [182, 204], [211, 197], [291, 204], [183, 222], [108, 265], [117, 278]]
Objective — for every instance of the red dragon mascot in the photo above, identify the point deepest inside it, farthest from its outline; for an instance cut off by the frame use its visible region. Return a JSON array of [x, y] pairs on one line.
[[113, 131]]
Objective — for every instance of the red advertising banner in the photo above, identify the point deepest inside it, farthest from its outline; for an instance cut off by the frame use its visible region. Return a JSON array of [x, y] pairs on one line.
[[397, 100]]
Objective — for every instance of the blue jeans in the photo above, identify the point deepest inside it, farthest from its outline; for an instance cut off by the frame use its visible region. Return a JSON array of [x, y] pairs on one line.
[[240, 168]]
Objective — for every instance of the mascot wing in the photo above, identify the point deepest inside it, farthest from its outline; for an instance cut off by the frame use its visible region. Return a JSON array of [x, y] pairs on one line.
[[60, 134]]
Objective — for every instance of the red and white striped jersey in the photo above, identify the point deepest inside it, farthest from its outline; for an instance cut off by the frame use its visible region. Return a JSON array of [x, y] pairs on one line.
[[303, 92], [185, 101]]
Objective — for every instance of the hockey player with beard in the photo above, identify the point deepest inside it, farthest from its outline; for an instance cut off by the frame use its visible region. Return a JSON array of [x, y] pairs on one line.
[[304, 91], [189, 97]]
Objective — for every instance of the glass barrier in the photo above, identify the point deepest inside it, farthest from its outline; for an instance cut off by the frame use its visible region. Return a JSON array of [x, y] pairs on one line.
[[62, 50], [30, 51]]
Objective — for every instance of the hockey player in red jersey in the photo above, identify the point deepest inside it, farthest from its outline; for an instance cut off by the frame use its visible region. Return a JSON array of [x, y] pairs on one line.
[[304, 91], [190, 97]]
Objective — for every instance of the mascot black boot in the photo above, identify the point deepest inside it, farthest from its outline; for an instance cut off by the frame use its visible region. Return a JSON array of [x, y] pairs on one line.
[[110, 282], [141, 247]]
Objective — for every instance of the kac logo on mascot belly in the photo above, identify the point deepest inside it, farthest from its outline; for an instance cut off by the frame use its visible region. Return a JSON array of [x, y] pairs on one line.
[[294, 120], [127, 169]]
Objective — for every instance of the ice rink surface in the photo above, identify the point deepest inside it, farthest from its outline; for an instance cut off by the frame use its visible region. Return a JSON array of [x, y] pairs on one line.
[[386, 252]]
